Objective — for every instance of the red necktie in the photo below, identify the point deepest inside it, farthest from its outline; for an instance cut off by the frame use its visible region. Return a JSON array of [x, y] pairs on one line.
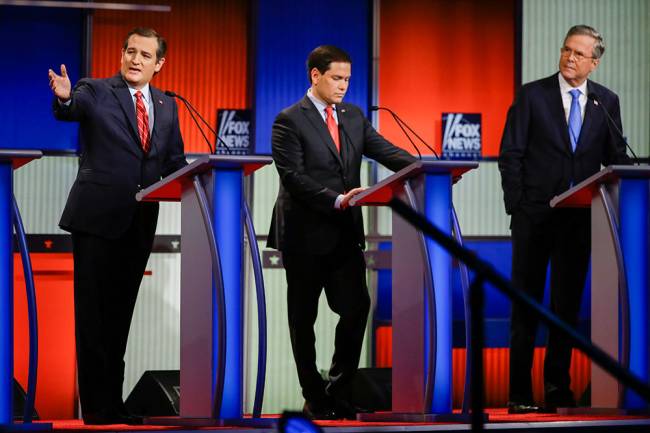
[[332, 126], [143, 121]]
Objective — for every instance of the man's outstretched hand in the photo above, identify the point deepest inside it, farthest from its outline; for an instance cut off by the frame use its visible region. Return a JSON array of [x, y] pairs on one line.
[[60, 84], [345, 203]]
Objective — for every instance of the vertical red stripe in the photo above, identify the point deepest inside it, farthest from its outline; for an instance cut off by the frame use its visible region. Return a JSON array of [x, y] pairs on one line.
[[440, 56]]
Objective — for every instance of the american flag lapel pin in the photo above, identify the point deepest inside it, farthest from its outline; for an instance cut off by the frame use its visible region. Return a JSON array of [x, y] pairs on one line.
[[342, 110], [160, 101], [595, 103]]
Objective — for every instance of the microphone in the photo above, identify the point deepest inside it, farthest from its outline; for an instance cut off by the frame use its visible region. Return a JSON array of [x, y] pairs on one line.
[[610, 121], [401, 122], [192, 110], [375, 108]]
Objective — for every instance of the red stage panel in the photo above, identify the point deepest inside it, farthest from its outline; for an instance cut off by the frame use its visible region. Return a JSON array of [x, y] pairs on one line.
[[207, 58], [440, 56], [495, 366], [55, 392]]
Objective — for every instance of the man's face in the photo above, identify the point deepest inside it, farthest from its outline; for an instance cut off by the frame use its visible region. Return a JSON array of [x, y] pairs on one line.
[[331, 86], [138, 62], [576, 61]]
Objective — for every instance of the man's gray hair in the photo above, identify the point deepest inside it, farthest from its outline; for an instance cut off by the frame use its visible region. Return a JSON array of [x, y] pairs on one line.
[[583, 29]]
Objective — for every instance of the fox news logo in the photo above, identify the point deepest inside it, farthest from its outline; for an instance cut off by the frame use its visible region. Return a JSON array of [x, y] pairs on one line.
[[234, 130], [461, 135]]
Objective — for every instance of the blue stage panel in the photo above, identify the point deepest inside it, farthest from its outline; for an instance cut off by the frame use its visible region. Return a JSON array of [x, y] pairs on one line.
[[286, 32], [37, 39]]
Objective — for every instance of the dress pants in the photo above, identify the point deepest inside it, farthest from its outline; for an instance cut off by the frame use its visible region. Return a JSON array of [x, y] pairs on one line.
[[562, 237], [341, 273], [107, 276]]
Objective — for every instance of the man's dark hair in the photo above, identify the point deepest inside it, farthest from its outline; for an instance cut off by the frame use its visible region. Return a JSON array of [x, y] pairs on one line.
[[321, 58], [149, 33]]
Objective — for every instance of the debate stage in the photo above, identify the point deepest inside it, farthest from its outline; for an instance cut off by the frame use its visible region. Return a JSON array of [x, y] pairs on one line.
[[500, 421]]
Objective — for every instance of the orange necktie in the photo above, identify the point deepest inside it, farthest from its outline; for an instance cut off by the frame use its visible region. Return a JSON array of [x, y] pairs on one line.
[[332, 126]]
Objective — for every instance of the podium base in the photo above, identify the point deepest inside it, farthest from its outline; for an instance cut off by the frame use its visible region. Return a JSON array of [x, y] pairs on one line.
[[209, 422], [29, 427], [417, 417]]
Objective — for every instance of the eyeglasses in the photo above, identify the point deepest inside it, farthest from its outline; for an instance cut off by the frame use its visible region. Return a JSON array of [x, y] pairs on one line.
[[567, 52]]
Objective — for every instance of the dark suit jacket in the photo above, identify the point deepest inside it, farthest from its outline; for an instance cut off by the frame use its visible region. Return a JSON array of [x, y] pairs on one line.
[[313, 174], [536, 160], [113, 166]]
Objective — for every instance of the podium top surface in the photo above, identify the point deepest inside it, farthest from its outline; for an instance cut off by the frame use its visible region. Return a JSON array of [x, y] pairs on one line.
[[19, 158], [580, 195], [171, 187], [383, 192]]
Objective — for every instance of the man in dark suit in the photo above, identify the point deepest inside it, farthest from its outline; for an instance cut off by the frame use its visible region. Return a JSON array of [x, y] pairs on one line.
[[555, 136], [129, 138], [317, 146]]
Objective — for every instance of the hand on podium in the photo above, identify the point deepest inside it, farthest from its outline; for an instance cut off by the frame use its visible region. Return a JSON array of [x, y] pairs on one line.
[[60, 84], [345, 203]]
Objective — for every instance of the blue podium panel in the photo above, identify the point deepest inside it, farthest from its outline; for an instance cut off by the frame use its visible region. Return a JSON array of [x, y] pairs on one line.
[[227, 220], [634, 229], [437, 203], [6, 294]]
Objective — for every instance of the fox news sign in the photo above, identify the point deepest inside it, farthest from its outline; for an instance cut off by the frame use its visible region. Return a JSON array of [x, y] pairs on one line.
[[461, 135], [233, 127]]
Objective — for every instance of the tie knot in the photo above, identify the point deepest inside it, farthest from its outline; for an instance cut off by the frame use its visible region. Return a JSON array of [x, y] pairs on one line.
[[575, 93], [329, 110], [138, 94]]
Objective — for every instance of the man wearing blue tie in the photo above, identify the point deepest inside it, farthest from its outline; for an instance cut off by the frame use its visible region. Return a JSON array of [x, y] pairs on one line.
[[555, 137]]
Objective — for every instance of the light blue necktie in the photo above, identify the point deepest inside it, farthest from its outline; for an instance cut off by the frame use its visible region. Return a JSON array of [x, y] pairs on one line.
[[575, 118]]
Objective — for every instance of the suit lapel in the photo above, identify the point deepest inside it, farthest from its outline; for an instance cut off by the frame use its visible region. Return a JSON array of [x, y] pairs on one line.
[[321, 128], [126, 102], [158, 110], [556, 108], [344, 127]]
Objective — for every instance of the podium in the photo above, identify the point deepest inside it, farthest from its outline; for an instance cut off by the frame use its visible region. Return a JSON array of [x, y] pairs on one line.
[[210, 190], [422, 304], [10, 160], [619, 197]]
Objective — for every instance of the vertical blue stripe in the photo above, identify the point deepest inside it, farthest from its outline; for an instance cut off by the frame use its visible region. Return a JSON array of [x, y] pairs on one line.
[[634, 227], [285, 33], [227, 220], [6, 294], [437, 200], [37, 39]]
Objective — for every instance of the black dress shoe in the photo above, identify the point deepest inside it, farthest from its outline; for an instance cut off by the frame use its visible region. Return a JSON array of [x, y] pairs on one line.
[[347, 410], [553, 402], [322, 412], [518, 408]]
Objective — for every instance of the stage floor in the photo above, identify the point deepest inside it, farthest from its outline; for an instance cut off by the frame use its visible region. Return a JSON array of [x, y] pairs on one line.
[[499, 421]]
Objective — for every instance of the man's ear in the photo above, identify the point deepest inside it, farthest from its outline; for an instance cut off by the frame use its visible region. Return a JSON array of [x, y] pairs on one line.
[[159, 64], [314, 74]]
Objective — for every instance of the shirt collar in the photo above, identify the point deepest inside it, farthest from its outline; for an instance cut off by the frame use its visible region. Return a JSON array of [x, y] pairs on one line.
[[566, 87], [320, 105], [146, 93]]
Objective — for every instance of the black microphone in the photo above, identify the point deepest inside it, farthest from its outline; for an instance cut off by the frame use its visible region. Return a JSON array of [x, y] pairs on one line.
[[375, 108], [401, 122], [192, 110], [610, 121]]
